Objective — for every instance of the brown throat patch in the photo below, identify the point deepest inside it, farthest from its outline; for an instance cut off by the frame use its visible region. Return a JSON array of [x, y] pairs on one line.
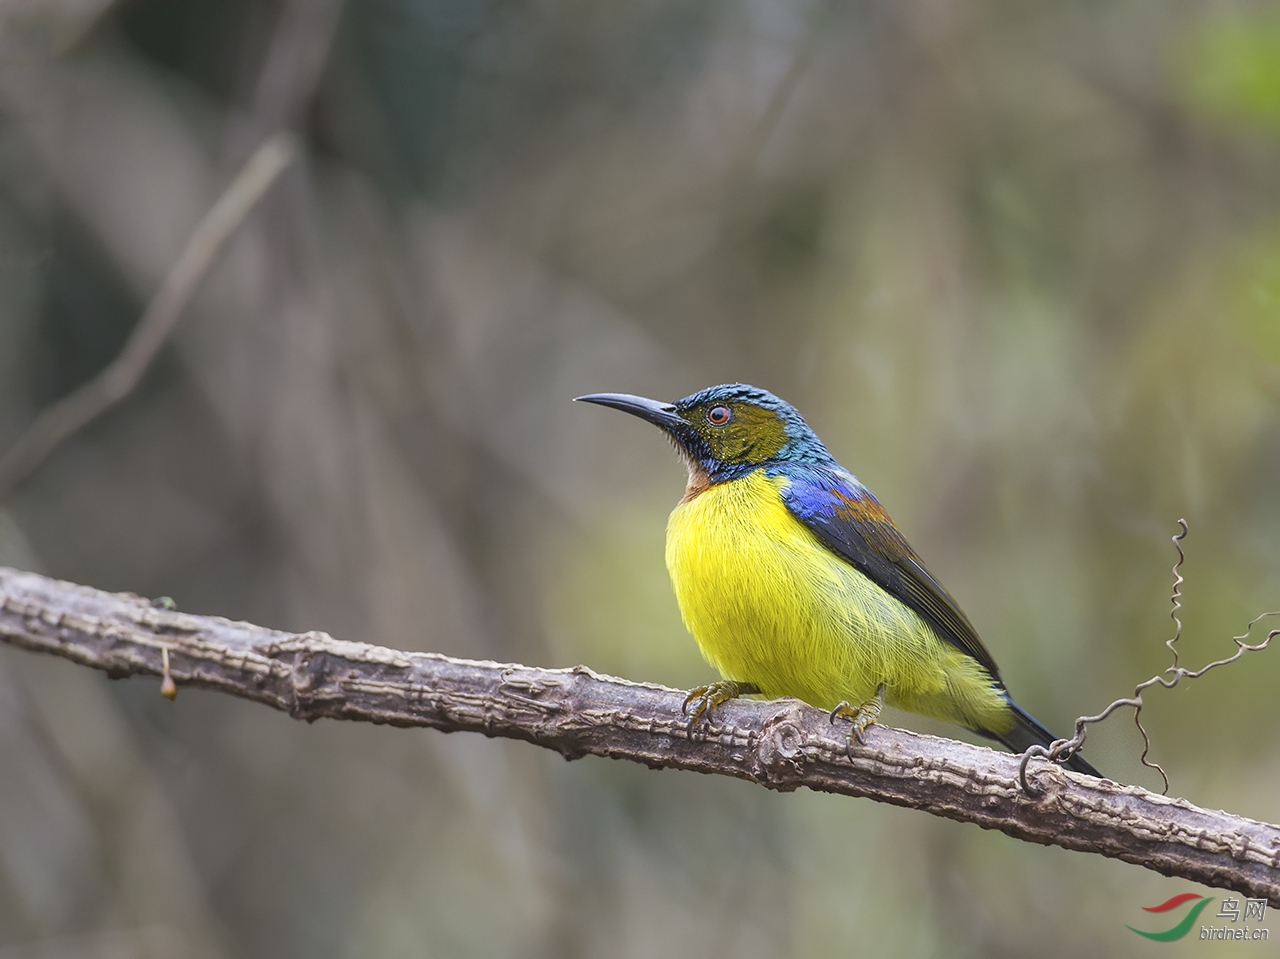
[[698, 481]]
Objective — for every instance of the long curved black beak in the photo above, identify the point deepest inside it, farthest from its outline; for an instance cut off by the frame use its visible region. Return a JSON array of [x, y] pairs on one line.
[[661, 415]]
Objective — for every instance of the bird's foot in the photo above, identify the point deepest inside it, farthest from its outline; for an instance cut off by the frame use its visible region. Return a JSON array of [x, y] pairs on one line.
[[865, 715], [705, 699]]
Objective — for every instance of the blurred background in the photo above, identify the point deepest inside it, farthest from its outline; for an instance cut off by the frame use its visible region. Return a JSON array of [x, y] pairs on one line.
[[1018, 264]]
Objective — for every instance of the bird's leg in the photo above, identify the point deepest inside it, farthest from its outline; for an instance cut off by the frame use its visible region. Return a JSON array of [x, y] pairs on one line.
[[707, 698], [864, 716]]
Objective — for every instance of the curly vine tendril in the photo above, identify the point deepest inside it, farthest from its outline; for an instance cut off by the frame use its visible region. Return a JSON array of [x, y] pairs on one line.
[[1063, 749]]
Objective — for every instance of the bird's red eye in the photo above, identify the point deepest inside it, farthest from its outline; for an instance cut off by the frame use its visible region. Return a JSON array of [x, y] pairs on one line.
[[718, 415]]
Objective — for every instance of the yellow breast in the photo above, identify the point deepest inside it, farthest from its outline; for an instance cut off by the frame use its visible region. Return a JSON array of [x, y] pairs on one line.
[[769, 604]]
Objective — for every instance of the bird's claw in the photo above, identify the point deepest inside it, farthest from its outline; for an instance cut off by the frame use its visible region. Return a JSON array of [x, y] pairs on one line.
[[706, 699], [862, 717], [701, 695]]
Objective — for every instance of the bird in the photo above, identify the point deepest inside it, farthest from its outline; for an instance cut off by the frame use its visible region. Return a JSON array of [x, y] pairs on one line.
[[795, 582]]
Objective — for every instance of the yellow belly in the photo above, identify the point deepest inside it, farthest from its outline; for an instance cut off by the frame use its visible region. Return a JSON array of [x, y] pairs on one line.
[[769, 604]]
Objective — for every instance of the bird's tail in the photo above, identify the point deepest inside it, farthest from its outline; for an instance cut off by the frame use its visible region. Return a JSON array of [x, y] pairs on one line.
[[1027, 732]]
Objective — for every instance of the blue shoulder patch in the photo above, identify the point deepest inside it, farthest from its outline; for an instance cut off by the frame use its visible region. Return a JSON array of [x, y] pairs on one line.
[[817, 492]]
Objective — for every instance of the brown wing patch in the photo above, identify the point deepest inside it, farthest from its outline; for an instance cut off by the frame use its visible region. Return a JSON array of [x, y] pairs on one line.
[[874, 524]]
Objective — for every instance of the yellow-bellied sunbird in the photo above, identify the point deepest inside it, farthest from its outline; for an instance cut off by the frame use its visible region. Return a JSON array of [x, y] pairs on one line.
[[795, 581]]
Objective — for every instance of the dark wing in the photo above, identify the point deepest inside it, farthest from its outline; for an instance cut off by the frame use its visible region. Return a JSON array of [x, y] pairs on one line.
[[853, 524]]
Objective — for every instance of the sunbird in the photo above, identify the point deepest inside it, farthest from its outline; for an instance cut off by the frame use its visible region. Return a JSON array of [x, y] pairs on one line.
[[795, 582]]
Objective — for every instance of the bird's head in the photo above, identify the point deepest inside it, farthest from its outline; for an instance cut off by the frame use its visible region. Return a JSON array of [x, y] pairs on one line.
[[726, 431]]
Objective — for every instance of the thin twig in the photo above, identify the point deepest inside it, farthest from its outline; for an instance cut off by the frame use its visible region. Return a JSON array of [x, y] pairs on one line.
[[291, 70], [1063, 749], [59, 421], [781, 745], [739, 179]]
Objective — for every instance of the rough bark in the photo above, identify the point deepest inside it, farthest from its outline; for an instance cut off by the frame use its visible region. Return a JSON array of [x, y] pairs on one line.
[[780, 745]]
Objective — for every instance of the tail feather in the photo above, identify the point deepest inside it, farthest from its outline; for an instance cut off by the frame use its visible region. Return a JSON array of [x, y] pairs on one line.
[[1027, 731]]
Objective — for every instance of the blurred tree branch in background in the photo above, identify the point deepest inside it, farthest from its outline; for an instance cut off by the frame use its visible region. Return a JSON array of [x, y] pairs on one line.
[[53, 425], [781, 745], [290, 71]]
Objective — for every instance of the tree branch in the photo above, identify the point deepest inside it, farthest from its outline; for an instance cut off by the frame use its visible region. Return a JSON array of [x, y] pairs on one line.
[[781, 745]]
